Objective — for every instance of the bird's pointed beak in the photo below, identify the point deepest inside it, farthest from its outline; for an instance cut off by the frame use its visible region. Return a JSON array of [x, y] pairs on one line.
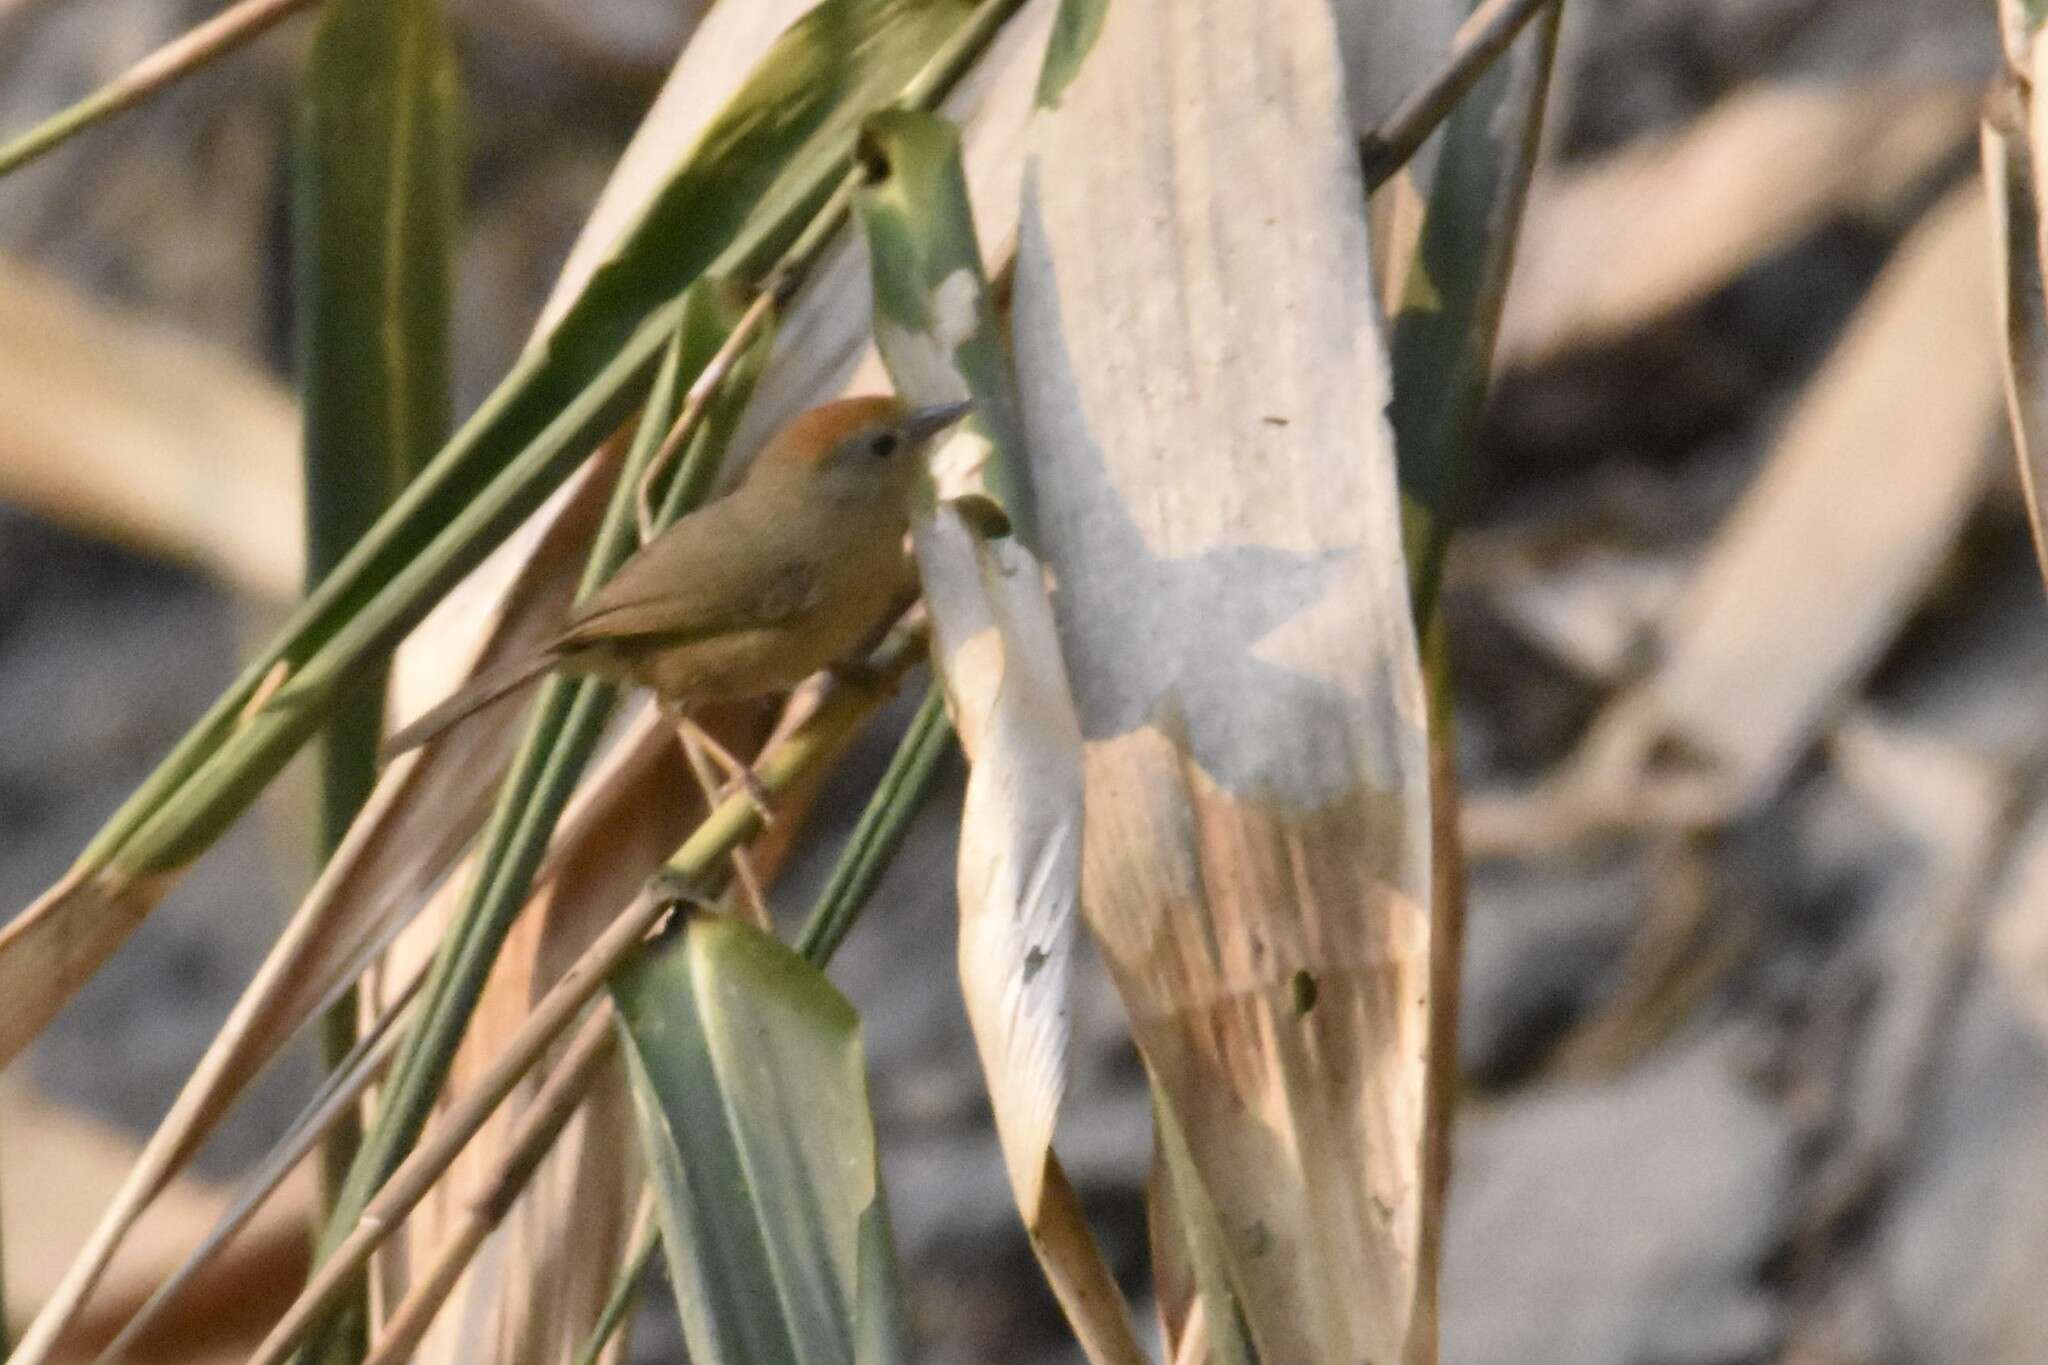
[[925, 423]]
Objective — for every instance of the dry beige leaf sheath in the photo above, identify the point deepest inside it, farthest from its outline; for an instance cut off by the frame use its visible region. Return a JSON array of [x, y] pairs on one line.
[[1204, 386]]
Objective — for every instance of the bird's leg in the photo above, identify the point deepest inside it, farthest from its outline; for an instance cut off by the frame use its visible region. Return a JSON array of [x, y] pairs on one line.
[[694, 741], [742, 776]]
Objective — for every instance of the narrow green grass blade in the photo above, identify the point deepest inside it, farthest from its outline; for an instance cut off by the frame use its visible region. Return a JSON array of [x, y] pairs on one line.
[[879, 834], [625, 1293], [1449, 312], [748, 188], [375, 188], [560, 739], [751, 1093], [1208, 1246]]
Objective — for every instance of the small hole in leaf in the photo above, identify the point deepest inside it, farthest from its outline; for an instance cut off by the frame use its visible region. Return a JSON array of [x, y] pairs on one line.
[[1301, 993], [874, 162]]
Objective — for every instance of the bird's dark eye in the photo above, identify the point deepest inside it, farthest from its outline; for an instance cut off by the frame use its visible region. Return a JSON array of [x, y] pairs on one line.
[[882, 446]]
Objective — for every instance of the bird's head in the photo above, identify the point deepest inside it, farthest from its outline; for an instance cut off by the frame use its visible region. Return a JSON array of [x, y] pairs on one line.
[[856, 446]]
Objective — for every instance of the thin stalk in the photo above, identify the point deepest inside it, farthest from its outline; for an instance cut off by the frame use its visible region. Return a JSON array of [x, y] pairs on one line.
[[627, 1287], [218, 36], [731, 823], [538, 1127], [338, 1093], [373, 216], [876, 838], [695, 406], [1483, 36]]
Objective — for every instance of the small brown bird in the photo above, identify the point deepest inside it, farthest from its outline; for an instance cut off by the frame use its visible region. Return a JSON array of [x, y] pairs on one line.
[[789, 573]]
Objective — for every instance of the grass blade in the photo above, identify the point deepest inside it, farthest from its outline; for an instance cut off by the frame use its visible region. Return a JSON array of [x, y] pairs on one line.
[[376, 182], [625, 1291], [880, 831], [752, 1097]]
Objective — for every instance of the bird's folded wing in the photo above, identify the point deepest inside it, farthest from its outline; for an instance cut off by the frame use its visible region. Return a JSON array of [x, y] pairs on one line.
[[700, 579]]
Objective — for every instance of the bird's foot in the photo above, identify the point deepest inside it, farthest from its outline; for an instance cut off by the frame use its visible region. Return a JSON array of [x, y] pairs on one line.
[[744, 780]]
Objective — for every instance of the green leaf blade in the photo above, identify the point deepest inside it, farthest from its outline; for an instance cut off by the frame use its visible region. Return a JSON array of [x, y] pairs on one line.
[[751, 1090], [1448, 316]]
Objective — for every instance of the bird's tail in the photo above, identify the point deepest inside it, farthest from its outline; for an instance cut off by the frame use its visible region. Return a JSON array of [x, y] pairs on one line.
[[480, 692]]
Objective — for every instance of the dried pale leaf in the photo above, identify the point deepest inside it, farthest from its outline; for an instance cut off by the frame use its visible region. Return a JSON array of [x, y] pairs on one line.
[[121, 427], [1204, 395], [1661, 225], [1020, 829], [1006, 689], [1814, 573]]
